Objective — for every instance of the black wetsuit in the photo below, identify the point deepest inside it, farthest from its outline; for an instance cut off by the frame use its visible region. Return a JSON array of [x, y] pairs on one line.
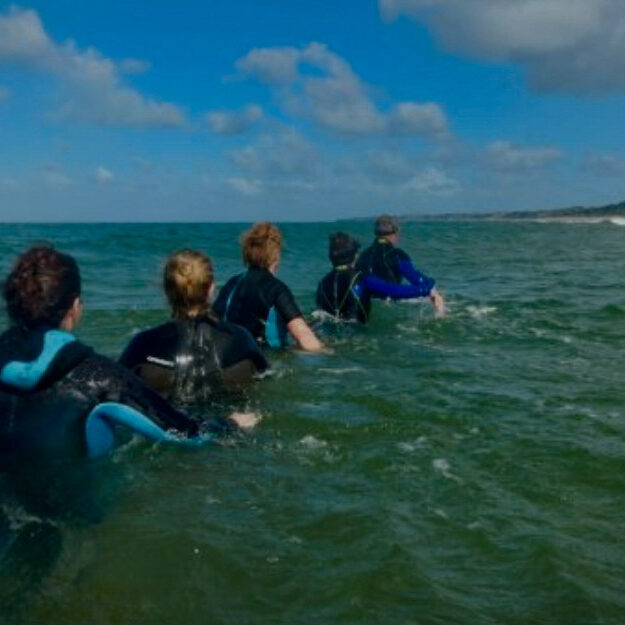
[[387, 262], [61, 402], [189, 360], [340, 293], [259, 302]]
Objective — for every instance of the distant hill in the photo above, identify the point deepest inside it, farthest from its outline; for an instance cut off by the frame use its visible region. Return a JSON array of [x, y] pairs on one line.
[[582, 212]]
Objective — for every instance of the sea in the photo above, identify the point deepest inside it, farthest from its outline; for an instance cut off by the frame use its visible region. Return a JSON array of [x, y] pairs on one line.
[[464, 470]]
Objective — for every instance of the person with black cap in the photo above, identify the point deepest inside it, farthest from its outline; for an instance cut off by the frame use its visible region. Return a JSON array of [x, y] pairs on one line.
[[387, 262], [346, 291]]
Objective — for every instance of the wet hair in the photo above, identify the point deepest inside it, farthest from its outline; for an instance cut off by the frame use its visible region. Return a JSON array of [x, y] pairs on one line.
[[385, 225], [261, 244], [41, 287], [343, 249], [187, 278]]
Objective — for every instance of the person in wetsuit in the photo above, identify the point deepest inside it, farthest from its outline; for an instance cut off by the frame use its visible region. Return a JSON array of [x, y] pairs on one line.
[[194, 355], [58, 398], [386, 261], [259, 301], [346, 291]]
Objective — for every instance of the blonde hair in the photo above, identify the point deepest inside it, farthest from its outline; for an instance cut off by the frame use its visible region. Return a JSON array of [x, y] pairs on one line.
[[261, 245], [187, 279]]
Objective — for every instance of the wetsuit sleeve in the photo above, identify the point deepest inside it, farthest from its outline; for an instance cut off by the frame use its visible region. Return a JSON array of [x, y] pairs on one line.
[[112, 383], [381, 288], [219, 305], [243, 347], [415, 277], [285, 303]]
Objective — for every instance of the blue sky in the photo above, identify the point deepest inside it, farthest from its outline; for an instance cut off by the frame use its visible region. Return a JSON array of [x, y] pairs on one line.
[[246, 110]]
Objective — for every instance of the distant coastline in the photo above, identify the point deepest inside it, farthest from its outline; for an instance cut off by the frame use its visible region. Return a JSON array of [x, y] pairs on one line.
[[583, 214]]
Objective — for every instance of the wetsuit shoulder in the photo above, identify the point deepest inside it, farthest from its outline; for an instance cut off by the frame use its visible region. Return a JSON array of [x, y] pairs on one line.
[[220, 303], [282, 298], [159, 341], [399, 255]]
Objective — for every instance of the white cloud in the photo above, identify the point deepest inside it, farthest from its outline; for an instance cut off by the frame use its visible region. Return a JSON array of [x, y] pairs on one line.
[[604, 164], [244, 186], [232, 123], [315, 83], [271, 65], [426, 118], [54, 176], [566, 45], [5, 93], [103, 175], [284, 154], [504, 155], [433, 181], [93, 87], [134, 66]]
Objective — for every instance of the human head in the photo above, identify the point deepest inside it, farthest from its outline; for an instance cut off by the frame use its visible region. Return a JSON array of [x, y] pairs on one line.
[[188, 282], [43, 288], [343, 249], [386, 227], [261, 245]]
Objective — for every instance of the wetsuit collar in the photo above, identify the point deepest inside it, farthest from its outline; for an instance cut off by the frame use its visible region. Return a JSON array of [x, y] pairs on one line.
[[34, 359]]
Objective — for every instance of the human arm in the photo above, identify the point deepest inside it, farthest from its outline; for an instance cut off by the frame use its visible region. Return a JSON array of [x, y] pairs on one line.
[[304, 336], [381, 288], [438, 302], [416, 278]]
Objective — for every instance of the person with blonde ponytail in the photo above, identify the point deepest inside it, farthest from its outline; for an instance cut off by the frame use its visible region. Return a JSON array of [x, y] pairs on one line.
[[193, 356], [258, 300]]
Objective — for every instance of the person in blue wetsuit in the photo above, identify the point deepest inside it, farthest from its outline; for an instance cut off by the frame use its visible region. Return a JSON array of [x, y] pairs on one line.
[[259, 301], [346, 292], [386, 261], [194, 356]]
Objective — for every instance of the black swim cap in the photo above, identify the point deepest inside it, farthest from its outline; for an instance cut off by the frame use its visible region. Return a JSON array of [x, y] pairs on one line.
[[343, 249]]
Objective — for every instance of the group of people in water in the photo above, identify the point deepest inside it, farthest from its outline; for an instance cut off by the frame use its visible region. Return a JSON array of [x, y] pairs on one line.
[[58, 398]]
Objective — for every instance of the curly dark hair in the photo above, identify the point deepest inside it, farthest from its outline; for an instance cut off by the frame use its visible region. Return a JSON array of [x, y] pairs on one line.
[[41, 287]]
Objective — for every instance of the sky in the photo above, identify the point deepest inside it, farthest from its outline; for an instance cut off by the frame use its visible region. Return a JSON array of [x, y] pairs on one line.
[[311, 110]]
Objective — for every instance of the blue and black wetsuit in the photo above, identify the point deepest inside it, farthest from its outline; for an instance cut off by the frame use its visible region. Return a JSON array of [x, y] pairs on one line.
[[390, 264], [60, 399], [194, 359], [346, 292], [259, 302]]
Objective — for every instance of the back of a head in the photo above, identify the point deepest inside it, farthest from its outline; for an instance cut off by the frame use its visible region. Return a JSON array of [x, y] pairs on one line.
[[386, 225], [343, 249], [260, 245], [187, 280], [42, 287]]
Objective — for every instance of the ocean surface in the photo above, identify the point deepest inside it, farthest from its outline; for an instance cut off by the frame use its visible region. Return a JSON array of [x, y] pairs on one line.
[[464, 470]]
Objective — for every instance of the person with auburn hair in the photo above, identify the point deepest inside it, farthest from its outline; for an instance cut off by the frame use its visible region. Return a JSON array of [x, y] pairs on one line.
[[57, 397], [194, 355], [259, 301], [387, 262]]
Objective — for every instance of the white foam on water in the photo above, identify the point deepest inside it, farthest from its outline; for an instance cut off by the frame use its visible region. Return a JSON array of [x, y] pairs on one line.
[[411, 446], [310, 442], [442, 466], [479, 312], [340, 371], [618, 221]]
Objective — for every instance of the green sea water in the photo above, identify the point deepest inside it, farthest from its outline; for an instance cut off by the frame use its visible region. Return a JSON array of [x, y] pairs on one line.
[[465, 470]]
